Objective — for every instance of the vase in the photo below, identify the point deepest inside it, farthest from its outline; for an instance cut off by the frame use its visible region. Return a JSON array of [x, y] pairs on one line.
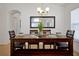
[[40, 33]]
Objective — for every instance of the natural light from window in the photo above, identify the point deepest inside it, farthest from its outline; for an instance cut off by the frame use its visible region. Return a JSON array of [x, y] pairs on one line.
[[75, 22]]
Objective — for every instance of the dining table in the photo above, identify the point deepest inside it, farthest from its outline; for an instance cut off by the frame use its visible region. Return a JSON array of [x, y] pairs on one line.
[[28, 40]]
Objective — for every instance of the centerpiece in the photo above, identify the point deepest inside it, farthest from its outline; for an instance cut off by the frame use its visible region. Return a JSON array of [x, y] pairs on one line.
[[40, 29]]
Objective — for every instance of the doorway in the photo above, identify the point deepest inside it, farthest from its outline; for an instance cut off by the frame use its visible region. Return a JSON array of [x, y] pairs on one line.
[[75, 22], [75, 26]]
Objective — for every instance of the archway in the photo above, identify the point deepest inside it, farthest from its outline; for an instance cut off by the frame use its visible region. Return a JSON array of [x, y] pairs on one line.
[[15, 21], [75, 22]]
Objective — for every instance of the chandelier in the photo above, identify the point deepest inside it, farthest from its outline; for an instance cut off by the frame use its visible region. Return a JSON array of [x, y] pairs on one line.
[[42, 11]]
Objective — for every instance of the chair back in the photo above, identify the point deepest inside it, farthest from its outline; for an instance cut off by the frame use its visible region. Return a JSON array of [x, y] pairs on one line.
[[12, 34], [70, 33]]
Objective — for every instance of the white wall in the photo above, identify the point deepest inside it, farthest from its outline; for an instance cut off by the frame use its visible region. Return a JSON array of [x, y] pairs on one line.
[[3, 24], [28, 10]]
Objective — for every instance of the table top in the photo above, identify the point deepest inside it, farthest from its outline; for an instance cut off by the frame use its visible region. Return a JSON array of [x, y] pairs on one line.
[[24, 36]]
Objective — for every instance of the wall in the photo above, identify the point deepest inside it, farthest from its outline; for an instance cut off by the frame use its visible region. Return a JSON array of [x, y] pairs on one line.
[[3, 24], [28, 10]]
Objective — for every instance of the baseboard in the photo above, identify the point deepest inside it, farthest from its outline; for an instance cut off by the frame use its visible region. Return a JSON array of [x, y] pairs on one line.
[[4, 43]]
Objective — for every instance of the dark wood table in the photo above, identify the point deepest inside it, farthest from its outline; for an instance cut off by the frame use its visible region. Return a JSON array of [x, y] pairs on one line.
[[46, 39]]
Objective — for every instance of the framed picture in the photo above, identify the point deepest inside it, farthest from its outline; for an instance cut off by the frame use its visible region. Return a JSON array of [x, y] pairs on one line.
[[48, 21]]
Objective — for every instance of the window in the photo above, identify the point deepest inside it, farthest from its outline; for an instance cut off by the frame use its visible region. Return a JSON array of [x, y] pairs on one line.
[[75, 22]]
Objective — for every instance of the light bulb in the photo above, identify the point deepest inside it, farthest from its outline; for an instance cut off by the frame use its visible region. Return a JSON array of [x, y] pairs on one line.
[[38, 9], [47, 9]]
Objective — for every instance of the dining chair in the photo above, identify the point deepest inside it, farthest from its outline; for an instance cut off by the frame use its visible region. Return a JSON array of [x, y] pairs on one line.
[[64, 45], [12, 35], [70, 33]]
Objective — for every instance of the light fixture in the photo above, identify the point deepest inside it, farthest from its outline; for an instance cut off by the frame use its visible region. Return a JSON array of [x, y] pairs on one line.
[[47, 9], [42, 12], [38, 9]]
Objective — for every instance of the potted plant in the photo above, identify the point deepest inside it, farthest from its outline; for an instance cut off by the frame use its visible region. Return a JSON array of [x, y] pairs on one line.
[[40, 27]]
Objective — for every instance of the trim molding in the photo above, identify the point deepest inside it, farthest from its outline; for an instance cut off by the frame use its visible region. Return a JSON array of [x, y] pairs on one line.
[[5, 42]]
